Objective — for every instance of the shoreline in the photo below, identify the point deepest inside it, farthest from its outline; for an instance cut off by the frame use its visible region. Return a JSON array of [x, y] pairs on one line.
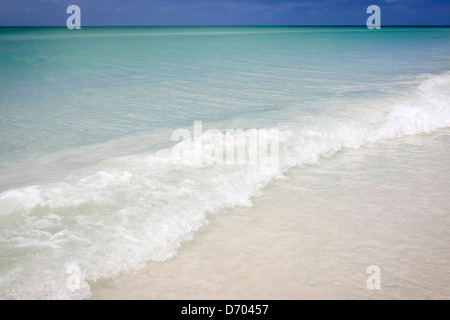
[[306, 240]]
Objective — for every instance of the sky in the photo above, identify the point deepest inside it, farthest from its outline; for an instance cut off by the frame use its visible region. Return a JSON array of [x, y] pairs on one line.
[[223, 12]]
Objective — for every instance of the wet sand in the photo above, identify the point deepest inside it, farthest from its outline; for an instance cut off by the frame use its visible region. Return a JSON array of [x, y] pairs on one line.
[[313, 235]]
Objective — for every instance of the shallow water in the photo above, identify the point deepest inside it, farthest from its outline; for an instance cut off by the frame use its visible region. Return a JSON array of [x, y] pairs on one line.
[[314, 235], [88, 181]]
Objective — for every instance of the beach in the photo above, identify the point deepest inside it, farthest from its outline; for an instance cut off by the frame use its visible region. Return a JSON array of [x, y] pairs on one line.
[[224, 163], [314, 235]]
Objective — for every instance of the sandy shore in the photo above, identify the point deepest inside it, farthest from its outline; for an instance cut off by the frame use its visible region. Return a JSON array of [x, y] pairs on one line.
[[314, 235]]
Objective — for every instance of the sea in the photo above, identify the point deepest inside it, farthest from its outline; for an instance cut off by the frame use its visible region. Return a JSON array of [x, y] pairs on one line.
[[93, 205]]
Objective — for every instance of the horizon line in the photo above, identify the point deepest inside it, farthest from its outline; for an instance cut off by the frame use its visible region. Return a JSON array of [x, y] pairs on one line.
[[237, 25]]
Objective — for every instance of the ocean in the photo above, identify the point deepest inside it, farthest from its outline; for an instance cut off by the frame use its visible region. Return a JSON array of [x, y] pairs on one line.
[[92, 204]]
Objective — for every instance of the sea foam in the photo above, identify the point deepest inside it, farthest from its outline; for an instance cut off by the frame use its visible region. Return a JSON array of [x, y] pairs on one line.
[[129, 210]]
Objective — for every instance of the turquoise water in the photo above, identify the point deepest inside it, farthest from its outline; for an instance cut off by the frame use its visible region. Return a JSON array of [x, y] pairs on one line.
[[61, 89], [66, 96]]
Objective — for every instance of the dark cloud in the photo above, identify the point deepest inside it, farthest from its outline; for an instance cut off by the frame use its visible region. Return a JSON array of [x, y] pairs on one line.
[[226, 12]]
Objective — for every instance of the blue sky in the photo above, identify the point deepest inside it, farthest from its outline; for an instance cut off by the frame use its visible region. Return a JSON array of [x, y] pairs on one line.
[[223, 12]]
